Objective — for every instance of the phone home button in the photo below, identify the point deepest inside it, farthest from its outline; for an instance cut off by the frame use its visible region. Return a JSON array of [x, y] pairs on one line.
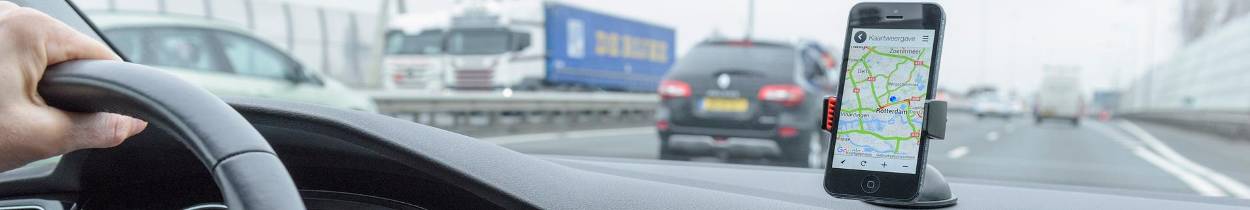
[[870, 184]]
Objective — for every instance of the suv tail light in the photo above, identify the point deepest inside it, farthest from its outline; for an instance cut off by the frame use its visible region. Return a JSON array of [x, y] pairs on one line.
[[674, 89], [788, 95], [787, 132]]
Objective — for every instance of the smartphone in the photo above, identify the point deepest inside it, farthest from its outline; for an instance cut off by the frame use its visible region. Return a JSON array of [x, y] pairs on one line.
[[889, 70]]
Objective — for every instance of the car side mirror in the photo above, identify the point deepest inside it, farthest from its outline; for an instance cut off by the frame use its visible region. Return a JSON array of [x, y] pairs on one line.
[[520, 41]]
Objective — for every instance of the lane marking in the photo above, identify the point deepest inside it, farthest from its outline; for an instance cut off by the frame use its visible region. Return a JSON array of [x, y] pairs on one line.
[[1238, 189], [552, 136], [957, 152], [1195, 182], [992, 136]]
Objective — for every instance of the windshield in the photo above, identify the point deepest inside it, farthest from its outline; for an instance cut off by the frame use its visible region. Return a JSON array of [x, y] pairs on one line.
[[425, 43], [1119, 94], [474, 41]]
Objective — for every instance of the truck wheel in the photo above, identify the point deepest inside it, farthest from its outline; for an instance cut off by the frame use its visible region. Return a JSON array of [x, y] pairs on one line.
[[1037, 120], [667, 153], [1076, 122], [807, 150]]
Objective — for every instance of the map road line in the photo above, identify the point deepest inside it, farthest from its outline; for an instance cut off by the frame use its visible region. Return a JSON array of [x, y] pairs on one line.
[[1238, 189]]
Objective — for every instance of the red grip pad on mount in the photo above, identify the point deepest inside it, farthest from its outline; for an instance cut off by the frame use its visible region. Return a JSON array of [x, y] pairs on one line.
[[831, 111]]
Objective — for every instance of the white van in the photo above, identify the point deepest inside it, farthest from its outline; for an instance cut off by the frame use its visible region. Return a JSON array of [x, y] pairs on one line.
[[1060, 97]]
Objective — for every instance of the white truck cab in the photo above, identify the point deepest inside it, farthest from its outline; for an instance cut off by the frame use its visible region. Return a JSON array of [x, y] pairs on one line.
[[489, 46], [414, 52]]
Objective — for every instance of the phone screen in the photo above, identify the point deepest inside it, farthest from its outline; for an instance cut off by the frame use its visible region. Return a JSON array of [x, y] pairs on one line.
[[882, 105]]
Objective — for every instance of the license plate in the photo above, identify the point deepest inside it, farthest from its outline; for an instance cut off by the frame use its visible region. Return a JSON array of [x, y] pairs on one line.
[[713, 104]]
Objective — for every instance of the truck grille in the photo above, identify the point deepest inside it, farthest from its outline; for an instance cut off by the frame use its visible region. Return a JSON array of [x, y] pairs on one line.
[[474, 79]]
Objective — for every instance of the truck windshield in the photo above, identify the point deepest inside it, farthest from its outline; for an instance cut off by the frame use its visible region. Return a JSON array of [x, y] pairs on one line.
[[425, 43], [477, 42]]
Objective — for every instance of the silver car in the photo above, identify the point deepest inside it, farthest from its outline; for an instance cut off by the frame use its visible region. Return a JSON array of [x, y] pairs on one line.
[[223, 58]]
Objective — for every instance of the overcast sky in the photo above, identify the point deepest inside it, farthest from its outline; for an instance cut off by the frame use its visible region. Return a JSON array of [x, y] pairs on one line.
[[1003, 43]]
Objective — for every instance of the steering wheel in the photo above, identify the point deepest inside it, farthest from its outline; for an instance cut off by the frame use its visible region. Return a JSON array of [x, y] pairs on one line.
[[242, 163]]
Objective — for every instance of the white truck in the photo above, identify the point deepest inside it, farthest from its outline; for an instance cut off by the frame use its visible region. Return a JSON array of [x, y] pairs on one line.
[[414, 52], [1060, 96], [527, 45]]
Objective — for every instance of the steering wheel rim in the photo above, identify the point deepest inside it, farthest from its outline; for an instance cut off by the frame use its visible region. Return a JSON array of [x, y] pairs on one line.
[[242, 163]]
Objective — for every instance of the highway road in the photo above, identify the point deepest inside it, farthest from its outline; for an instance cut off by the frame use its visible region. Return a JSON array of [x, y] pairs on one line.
[[1117, 154]]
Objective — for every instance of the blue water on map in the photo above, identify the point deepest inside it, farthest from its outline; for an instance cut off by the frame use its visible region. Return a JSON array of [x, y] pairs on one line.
[[920, 82]]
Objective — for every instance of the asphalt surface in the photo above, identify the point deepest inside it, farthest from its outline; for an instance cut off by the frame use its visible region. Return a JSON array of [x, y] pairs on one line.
[[1117, 154]]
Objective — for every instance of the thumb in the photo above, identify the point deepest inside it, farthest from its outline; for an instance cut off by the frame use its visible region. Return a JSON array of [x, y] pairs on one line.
[[102, 130]]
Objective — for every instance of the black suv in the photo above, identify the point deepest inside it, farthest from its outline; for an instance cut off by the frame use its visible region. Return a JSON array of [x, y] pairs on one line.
[[758, 91]]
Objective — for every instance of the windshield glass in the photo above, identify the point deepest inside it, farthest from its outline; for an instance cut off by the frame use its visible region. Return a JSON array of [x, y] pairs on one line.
[[472, 41], [1127, 95], [425, 43]]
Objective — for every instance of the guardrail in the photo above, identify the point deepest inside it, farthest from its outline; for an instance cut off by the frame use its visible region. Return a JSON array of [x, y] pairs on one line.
[[1231, 124], [499, 112]]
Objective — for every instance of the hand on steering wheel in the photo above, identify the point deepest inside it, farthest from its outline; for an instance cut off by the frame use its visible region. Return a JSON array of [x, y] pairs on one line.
[[31, 130]]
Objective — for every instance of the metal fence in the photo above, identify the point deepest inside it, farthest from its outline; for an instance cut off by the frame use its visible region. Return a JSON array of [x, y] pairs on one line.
[[341, 43]]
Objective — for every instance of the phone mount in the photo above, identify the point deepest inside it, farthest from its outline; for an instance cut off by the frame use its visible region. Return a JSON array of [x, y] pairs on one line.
[[934, 191]]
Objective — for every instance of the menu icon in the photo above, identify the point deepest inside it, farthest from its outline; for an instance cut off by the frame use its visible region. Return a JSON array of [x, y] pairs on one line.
[[924, 38]]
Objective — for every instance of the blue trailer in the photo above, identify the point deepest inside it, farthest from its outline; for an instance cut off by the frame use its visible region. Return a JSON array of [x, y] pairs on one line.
[[602, 51]]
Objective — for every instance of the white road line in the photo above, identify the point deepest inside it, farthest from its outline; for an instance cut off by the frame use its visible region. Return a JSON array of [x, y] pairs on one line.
[[1195, 182], [1238, 189], [957, 152], [552, 136], [991, 136]]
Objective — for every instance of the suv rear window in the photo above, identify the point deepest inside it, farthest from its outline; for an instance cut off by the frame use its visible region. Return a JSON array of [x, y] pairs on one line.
[[770, 60]]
